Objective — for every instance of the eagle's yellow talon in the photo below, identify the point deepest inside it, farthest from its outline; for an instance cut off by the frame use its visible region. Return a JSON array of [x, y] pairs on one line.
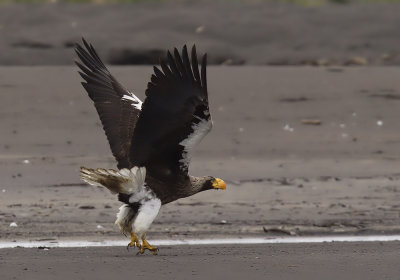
[[147, 246], [134, 241]]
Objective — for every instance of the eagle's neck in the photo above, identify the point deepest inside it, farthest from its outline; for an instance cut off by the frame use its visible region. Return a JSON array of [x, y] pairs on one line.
[[198, 184]]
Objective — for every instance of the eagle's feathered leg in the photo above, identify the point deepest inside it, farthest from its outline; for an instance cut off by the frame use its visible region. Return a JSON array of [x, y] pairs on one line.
[[147, 212]]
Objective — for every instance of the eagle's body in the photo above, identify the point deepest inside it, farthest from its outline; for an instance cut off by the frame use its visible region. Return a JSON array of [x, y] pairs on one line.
[[151, 141]]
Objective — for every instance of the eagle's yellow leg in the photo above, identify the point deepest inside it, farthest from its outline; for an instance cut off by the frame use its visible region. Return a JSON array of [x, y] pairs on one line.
[[146, 245], [134, 241]]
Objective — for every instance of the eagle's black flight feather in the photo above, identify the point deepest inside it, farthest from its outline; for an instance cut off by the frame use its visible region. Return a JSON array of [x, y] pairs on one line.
[[117, 114], [176, 101]]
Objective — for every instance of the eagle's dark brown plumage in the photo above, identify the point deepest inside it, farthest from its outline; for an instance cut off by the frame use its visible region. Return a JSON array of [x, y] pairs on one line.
[[151, 142]]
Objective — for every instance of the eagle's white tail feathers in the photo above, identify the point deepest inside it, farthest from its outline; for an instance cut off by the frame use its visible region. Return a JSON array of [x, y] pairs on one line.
[[137, 175], [123, 181]]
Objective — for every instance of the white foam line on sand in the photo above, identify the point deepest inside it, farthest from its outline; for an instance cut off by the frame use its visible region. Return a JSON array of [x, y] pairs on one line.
[[227, 241]]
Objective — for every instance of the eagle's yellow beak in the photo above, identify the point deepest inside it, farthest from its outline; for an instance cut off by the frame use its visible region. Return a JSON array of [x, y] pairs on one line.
[[219, 184]]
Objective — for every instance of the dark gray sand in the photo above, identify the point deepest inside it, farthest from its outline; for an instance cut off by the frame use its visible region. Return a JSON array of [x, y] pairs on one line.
[[367, 261], [234, 32], [341, 176]]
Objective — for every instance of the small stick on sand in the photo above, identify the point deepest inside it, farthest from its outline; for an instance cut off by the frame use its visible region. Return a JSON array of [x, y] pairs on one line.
[[311, 122]]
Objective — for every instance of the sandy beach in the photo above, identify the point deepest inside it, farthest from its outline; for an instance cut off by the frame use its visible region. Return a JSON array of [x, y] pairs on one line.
[[340, 176], [305, 103]]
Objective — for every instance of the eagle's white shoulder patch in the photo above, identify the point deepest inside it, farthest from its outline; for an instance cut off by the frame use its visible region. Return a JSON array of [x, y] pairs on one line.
[[199, 131], [134, 100]]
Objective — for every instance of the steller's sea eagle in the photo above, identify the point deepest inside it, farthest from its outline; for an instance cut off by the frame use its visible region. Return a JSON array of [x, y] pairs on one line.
[[151, 141]]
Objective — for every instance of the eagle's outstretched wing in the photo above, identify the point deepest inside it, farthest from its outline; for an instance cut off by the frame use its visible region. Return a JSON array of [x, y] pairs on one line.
[[175, 117], [118, 108]]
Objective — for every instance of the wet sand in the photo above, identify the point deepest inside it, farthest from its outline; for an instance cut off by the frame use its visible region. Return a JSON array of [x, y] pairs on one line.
[[294, 261], [340, 176]]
